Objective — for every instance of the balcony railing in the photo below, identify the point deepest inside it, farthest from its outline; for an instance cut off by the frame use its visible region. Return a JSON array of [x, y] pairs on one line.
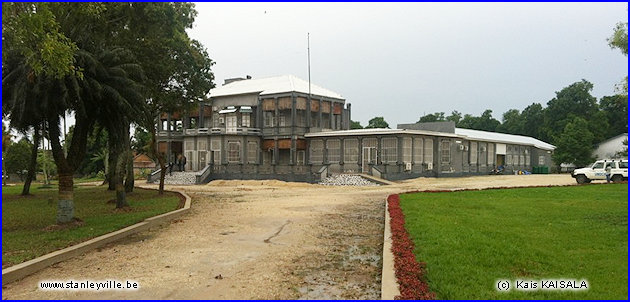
[[238, 130], [173, 133]]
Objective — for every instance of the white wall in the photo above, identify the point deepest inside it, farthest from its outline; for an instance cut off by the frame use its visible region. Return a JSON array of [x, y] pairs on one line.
[[607, 149]]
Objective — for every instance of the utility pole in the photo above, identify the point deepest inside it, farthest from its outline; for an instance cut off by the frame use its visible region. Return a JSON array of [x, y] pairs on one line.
[[308, 50]]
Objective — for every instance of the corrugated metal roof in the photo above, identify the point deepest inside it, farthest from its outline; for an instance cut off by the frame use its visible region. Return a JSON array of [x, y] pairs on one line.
[[502, 138], [459, 133], [272, 85]]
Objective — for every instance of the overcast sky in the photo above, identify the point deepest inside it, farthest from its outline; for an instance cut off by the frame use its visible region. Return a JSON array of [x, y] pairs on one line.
[[402, 60]]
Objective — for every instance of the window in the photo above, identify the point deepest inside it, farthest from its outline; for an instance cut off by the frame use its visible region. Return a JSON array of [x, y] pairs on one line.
[[284, 118], [351, 150], [406, 149], [417, 150], [473, 153], [508, 159], [234, 152], [623, 165], [316, 151], [445, 151], [192, 123], [527, 157], [252, 152], [314, 119], [245, 120], [269, 118], [300, 157], [491, 154], [165, 125], [189, 146], [541, 160], [389, 150], [599, 165], [202, 145], [230, 123], [178, 125], [428, 150], [334, 152]]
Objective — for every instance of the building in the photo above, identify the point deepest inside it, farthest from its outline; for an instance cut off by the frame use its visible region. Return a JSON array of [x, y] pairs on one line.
[[611, 147], [254, 128], [273, 128]]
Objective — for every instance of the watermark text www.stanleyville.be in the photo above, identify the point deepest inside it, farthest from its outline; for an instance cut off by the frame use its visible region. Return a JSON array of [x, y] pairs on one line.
[[88, 285], [504, 285]]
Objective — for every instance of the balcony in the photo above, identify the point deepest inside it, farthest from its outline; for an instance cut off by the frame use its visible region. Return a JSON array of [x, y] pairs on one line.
[[173, 133], [196, 131], [236, 131]]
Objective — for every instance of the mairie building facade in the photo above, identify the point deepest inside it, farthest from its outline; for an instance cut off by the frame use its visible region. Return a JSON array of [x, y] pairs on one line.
[[283, 128]]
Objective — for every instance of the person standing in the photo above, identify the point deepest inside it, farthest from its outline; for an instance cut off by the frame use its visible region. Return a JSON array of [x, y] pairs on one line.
[[183, 163], [607, 169], [179, 162]]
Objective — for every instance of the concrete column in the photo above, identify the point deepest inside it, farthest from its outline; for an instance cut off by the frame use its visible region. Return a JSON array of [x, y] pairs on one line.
[[378, 150], [224, 149], [200, 118], [320, 115], [308, 112], [277, 119], [349, 117], [360, 159], [244, 149], [341, 152], [324, 151], [292, 151], [330, 119], [400, 153], [293, 115], [276, 156], [259, 114]]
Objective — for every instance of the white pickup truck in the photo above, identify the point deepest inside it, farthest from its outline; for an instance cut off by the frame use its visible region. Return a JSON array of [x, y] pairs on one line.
[[618, 171]]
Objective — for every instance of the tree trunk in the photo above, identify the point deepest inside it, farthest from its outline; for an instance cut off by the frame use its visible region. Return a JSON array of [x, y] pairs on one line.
[[121, 198], [160, 159], [65, 207], [112, 158], [32, 164], [4, 171], [129, 180]]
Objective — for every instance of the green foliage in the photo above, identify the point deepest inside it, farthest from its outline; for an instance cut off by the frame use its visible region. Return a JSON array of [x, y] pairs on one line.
[[455, 117], [355, 125], [377, 122], [46, 163], [17, 157], [512, 122], [24, 220], [533, 118], [470, 239], [615, 108], [141, 140], [619, 39], [31, 30], [484, 122], [432, 117], [571, 101], [574, 144], [624, 151]]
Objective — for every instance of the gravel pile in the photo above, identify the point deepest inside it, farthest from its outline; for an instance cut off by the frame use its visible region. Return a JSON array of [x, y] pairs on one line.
[[180, 178], [347, 180]]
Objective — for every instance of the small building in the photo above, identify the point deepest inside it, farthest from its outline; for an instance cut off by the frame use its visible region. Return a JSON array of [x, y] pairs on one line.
[[143, 164], [610, 148]]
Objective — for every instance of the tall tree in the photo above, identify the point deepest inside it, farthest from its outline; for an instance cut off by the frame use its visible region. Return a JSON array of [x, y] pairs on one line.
[[574, 144], [17, 157], [432, 117], [355, 125], [6, 142], [377, 122], [32, 166], [455, 117], [533, 118], [512, 122], [574, 100], [619, 40], [615, 108]]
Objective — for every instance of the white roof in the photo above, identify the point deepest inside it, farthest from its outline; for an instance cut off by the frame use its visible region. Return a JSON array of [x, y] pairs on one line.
[[272, 85], [377, 131], [459, 132], [502, 138]]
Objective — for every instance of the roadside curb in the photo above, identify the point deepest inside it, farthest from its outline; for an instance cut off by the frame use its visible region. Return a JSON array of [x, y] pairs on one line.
[[389, 283], [24, 269]]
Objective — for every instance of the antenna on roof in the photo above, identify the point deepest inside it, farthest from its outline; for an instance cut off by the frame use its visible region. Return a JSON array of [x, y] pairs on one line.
[[308, 50]]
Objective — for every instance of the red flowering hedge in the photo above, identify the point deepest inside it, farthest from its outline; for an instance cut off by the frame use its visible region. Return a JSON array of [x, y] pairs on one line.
[[410, 274]]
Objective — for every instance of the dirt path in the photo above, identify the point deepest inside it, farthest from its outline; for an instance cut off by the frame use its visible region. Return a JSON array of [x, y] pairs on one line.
[[256, 240]]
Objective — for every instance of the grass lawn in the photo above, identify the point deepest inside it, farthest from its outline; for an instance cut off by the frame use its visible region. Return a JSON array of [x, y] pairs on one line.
[[25, 219], [471, 239]]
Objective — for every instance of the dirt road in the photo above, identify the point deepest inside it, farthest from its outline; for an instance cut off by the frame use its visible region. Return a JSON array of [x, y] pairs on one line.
[[256, 240]]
